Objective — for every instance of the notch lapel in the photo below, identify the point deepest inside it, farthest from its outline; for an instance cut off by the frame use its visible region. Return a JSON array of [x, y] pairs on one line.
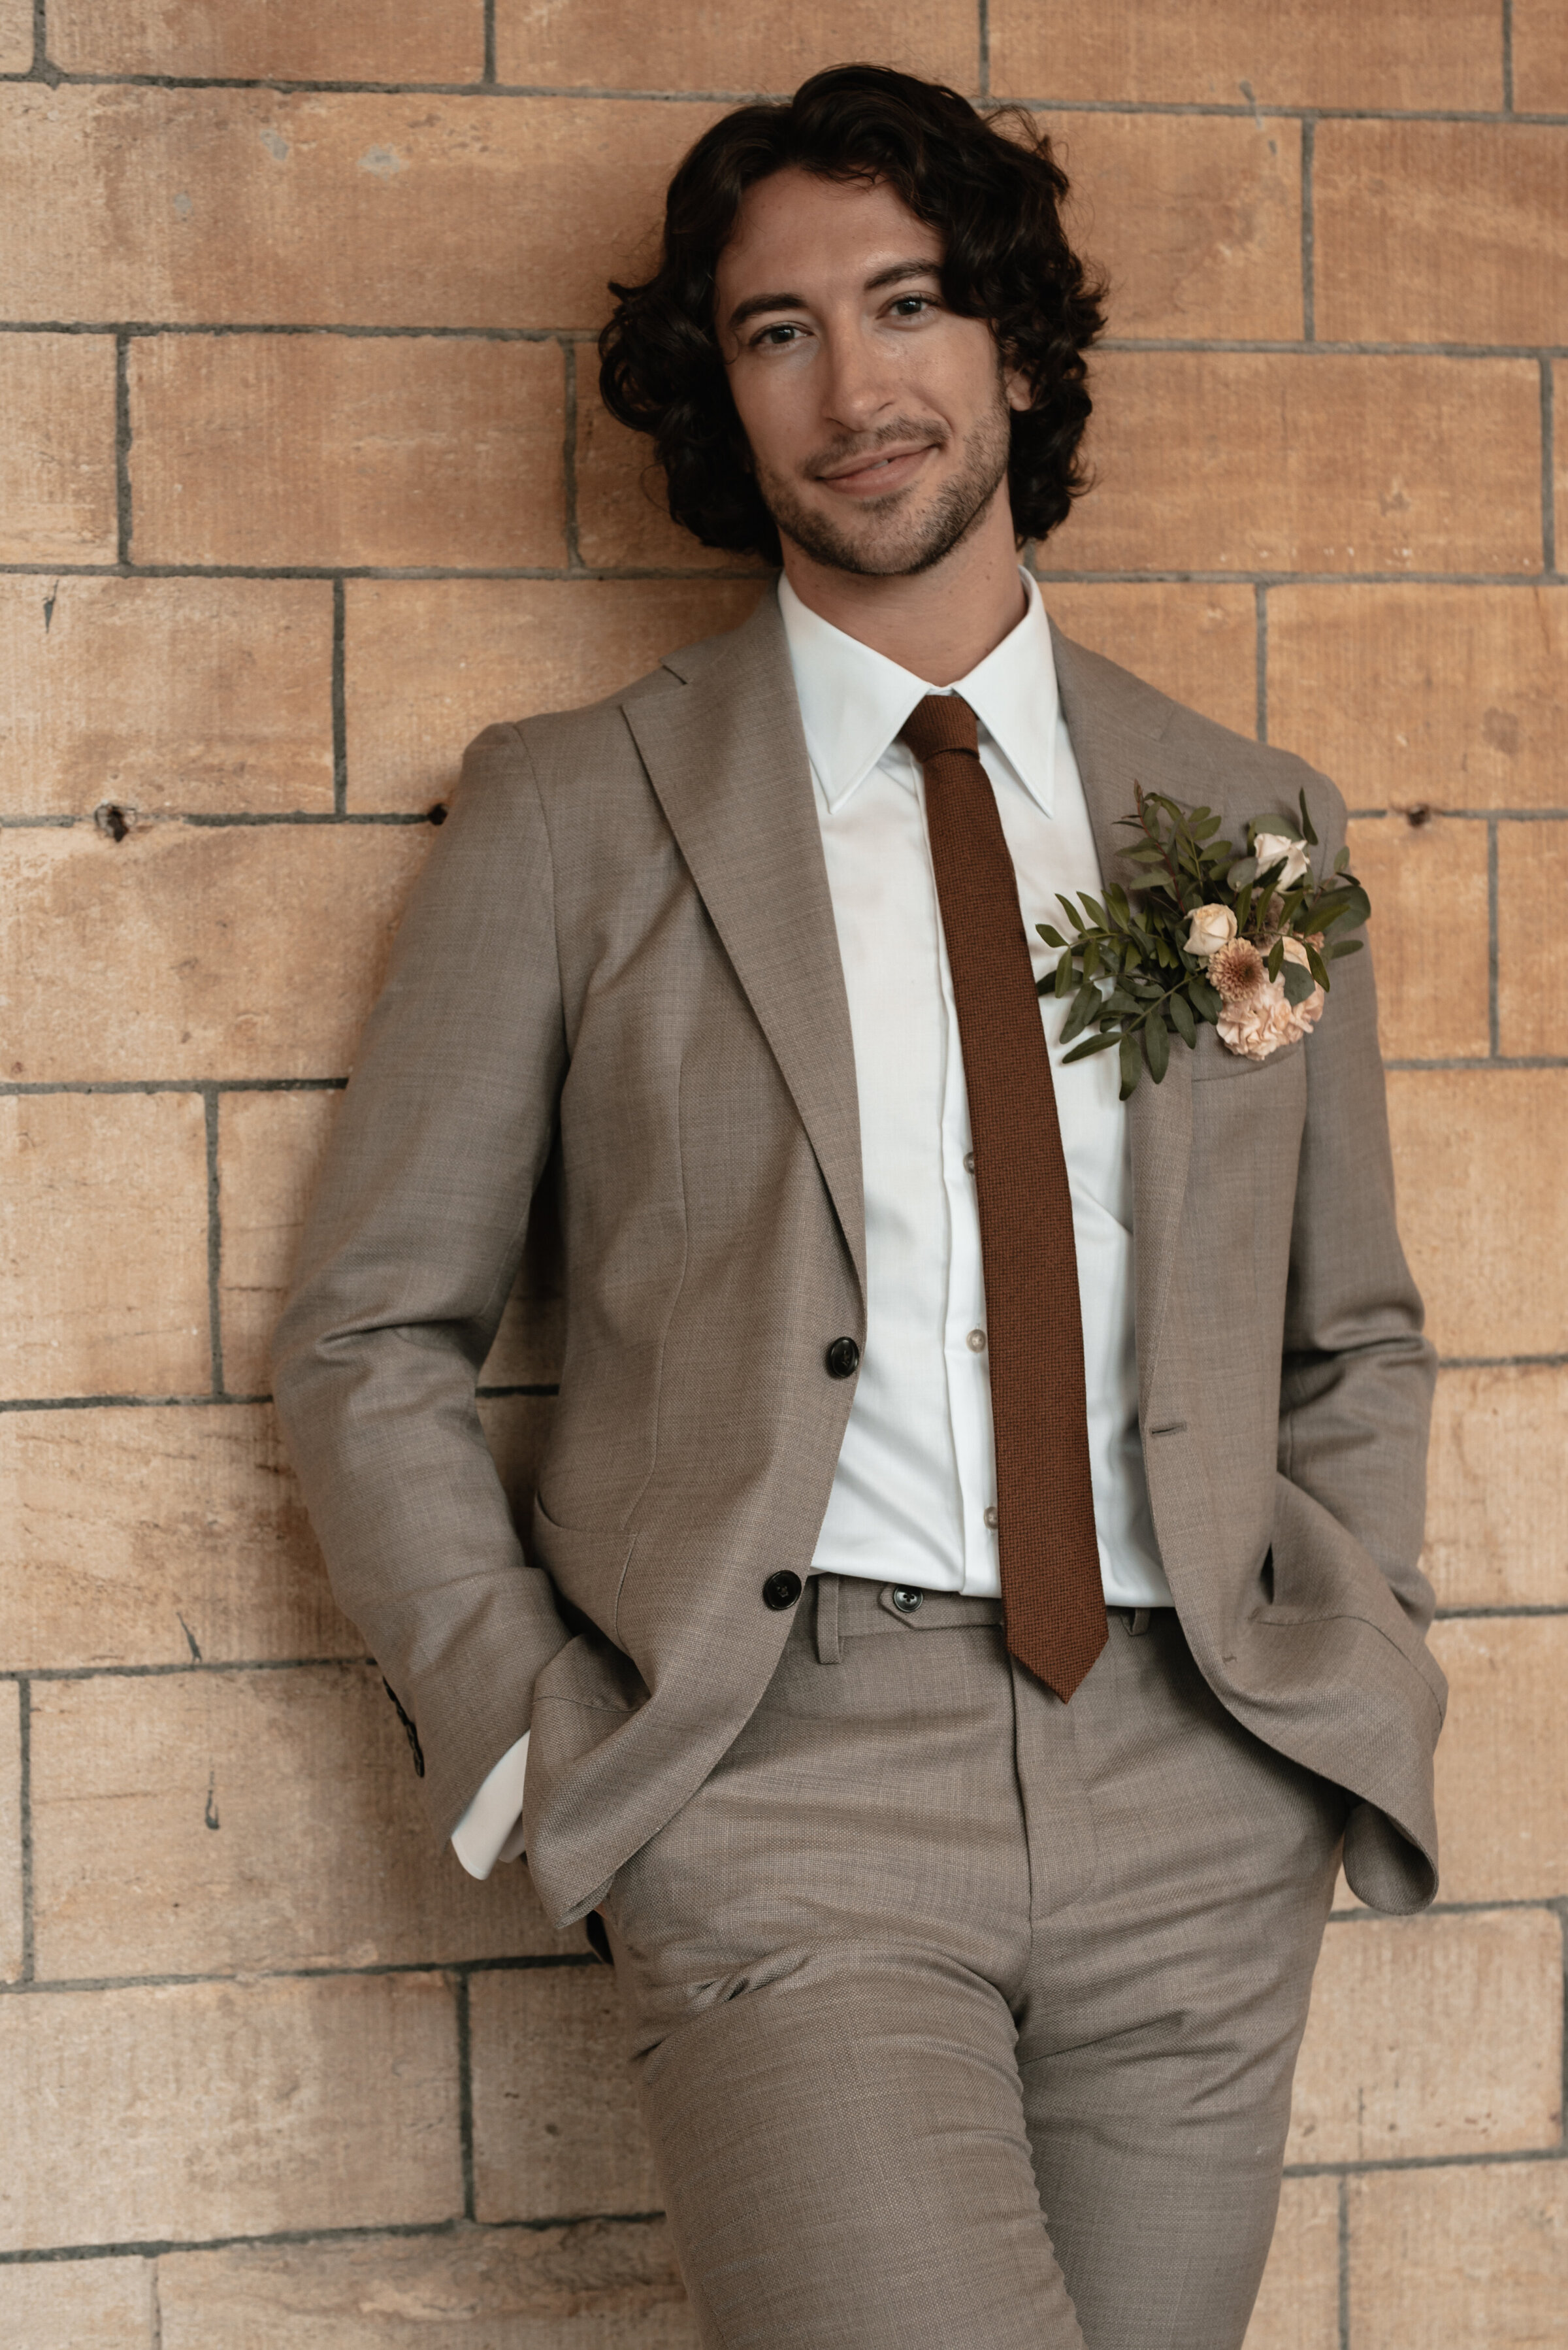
[[727, 759], [1116, 722]]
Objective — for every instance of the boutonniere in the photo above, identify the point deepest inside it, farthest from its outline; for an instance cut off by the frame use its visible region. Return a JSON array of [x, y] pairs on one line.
[[1234, 935]]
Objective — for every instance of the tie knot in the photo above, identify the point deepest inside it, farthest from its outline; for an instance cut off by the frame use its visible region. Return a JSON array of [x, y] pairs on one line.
[[942, 721]]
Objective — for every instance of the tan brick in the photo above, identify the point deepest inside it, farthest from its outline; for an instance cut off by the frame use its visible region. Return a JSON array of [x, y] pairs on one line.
[[600, 44], [1540, 58], [1502, 1760], [1532, 954], [1483, 1210], [1441, 2258], [1432, 2036], [430, 662], [1428, 884], [596, 2286], [56, 455], [1197, 221], [224, 1823], [204, 207], [295, 40], [127, 1536], [269, 1149], [1298, 2302], [212, 695], [16, 36], [1497, 1488], [557, 2129], [319, 448], [11, 1929], [1259, 461], [622, 517], [103, 1245], [77, 2304], [216, 2109], [251, 952], [1197, 643], [1401, 255], [1226, 52], [1423, 694]]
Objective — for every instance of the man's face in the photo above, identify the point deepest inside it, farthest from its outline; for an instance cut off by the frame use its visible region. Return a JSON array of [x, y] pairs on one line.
[[878, 421]]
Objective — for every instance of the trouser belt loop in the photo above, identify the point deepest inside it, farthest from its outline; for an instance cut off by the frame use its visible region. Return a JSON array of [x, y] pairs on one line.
[[829, 1652], [1139, 1620]]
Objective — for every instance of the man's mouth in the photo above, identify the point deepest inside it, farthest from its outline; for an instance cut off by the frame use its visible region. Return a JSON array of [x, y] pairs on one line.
[[879, 472]]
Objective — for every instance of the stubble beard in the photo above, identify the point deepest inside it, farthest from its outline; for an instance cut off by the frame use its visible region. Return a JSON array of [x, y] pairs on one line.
[[882, 540]]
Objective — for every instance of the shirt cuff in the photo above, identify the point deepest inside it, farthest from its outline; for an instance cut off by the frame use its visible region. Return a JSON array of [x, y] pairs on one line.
[[492, 1827]]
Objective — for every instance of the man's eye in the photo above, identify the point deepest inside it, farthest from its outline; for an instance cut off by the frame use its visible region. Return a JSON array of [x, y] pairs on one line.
[[909, 305], [776, 337]]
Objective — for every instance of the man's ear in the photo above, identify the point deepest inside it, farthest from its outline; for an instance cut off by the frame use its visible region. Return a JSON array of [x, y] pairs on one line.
[[1017, 389]]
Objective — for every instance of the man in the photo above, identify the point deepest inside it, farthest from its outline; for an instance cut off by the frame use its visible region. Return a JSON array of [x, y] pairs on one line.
[[971, 1591]]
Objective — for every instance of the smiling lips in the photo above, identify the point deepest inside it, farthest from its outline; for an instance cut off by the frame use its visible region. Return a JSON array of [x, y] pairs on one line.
[[879, 475]]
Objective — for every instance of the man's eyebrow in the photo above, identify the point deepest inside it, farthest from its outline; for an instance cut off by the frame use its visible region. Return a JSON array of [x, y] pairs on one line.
[[896, 273]]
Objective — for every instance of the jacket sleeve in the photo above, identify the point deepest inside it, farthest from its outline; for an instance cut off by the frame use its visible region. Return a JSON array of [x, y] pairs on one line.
[[1356, 1390], [409, 1254]]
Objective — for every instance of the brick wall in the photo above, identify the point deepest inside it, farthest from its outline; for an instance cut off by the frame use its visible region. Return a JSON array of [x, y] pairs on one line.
[[304, 478]]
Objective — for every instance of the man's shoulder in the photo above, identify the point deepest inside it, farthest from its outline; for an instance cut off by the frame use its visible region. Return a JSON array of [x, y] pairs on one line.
[[590, 728], [1191, 756]]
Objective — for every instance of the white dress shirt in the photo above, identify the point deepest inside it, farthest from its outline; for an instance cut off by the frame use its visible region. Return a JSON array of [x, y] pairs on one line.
[[913, 1495]]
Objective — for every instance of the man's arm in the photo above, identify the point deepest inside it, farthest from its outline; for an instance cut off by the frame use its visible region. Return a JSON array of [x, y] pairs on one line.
[[408, 1257], [1356, 1386]]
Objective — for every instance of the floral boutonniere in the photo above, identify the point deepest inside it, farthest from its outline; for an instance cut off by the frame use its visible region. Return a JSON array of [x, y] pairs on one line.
[[1237, 936]]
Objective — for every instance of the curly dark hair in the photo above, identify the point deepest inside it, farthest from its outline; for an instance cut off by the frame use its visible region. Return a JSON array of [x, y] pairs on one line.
[[994, 195]]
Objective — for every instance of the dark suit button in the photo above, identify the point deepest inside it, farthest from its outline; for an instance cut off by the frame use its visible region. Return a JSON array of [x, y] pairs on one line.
[[906, 1601], [781, 1590], [843, 1359]]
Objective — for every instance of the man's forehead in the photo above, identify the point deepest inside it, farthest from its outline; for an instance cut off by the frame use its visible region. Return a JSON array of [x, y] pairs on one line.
[[824, 225]]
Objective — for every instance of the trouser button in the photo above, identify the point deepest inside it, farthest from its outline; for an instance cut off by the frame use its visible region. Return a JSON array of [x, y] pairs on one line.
[[907, 1601]]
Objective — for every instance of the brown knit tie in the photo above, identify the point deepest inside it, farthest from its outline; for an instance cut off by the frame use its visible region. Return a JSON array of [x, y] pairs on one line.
[[1051, 1591]]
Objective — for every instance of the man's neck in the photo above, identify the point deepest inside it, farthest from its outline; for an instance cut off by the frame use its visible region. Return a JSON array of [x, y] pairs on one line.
[[938, 624]]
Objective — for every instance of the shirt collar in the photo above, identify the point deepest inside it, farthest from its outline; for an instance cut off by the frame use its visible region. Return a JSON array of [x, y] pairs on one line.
[[853, 701]]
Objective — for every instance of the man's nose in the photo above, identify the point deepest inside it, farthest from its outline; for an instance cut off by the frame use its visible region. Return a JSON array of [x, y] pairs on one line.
[[861, 385]]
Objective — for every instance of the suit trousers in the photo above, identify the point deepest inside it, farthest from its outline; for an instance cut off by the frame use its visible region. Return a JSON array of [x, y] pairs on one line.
[[963, 2017]]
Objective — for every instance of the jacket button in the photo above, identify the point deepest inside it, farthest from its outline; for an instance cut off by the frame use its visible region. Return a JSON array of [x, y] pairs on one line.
[[781, 1590], [907, 1600], [842, 1359]]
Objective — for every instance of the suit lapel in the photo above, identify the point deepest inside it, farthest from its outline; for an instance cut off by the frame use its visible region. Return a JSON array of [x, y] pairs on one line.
[[1116, 723], [727, 759]]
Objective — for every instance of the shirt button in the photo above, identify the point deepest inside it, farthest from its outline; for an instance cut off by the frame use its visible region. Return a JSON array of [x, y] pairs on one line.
[[906, 1601], [781, 1591], [992, 1519], [975, 1342], [969, 1162], [842, 1359]]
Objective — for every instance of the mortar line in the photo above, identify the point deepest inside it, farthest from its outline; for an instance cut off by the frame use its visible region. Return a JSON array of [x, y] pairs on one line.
[[171, 1085], [1508, 56], [1494, 1046], [453, 1970], [24, 1809], [569, 454], [123, 517], [487, 70], [155, 2306], [465, 2095], [339, 701], [1343, 2253], [1548, 468], [982, 46], [403, 2230], [1309, 233], [282, 86], [206, 1401], [214, 1243], [692, 575], [1261, 657]]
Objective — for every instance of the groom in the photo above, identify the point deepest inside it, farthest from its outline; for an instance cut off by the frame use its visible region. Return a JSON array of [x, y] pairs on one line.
[[972, 1593]]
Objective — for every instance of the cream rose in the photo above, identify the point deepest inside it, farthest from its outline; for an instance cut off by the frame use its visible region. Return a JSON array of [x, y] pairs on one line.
[[1304, 1014], [1210, 928], [1270, 847]]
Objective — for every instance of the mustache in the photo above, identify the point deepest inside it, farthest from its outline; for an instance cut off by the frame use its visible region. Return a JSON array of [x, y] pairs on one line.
[[850, 445]]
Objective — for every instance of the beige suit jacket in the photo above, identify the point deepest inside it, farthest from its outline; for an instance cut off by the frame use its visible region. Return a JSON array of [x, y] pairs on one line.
[[622, 948]]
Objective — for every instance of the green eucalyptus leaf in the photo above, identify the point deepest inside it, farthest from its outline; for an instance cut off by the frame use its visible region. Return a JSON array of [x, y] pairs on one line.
[[1052, 938], [1091, 958], [1276, 957], [1205, 1000], [1132, 1063], [1100, 1044], [1342, 860], [1242, 873], [1345, 947], [1204, 827], [1181, 1018], [1085, 1006], [1157, 1046], [1299, 983], [1063, 981], [1318, 968]]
